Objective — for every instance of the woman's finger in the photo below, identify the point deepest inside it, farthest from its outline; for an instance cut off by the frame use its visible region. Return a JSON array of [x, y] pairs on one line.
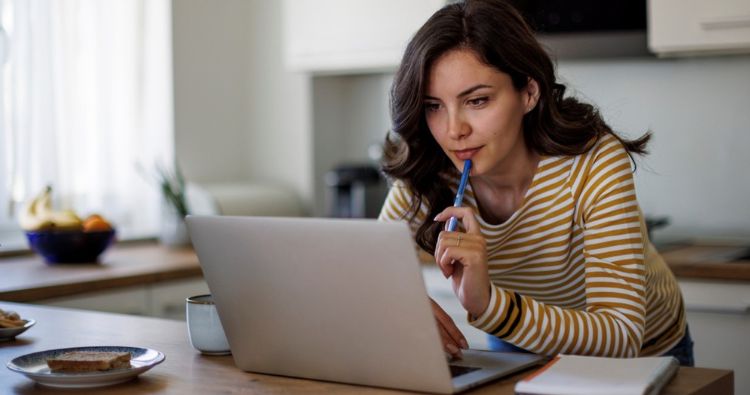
[[451, 337], [464, 214], [444, 239], [456, 246], [449, 345], [449, 327]]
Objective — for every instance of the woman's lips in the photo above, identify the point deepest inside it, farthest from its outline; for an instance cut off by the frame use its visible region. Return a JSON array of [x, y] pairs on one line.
[[466, 153]]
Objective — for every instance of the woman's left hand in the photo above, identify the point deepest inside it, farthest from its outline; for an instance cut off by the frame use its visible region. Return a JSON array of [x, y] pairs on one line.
[[463, 258]]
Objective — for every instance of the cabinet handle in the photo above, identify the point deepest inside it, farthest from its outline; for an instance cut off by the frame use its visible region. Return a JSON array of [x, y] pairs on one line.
[[740, 309], [728, 22]]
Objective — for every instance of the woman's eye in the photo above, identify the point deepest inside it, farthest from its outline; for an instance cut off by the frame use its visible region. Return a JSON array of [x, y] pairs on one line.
[[431, 107], [476, 102]]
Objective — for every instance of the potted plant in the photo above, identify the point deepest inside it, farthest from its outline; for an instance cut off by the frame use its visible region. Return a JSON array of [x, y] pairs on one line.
[[173, 230]]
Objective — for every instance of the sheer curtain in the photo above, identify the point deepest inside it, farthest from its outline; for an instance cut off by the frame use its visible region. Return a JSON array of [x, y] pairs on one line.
[[86, 96]]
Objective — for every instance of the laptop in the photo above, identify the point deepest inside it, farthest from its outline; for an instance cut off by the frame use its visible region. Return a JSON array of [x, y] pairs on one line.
[[332, 299]]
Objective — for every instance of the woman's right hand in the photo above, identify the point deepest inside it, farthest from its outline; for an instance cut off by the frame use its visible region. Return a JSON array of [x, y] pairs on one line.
[[452, 338]]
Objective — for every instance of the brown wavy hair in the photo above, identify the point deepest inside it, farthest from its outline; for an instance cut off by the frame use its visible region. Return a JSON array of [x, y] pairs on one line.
[[498, 35]]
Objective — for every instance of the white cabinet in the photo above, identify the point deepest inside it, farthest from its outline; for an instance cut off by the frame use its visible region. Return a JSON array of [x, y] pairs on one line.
[[128, 300], [162, 299], [167, 299], [718, 314], [345, 36], [691, 27]]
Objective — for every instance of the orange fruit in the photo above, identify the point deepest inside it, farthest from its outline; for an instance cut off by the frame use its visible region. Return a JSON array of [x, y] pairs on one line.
[[96, 223], [93, 217]]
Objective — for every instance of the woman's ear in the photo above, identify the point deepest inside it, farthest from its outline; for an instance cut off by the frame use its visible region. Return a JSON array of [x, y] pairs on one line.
[[531, 95]]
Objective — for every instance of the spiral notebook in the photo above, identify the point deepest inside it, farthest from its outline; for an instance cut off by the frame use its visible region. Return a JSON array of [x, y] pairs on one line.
[[580, 375]]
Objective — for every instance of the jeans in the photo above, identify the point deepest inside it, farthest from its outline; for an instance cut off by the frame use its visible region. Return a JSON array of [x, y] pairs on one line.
[[682, 351], [496, 344]]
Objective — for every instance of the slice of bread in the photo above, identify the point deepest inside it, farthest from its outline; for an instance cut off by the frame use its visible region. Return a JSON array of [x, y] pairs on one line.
[[88, 361], [10, 319]]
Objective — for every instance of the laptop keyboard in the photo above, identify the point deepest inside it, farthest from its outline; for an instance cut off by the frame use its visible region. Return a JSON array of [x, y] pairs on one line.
[[461, 370]]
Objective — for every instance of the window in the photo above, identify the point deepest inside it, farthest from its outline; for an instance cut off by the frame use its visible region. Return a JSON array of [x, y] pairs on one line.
[[86, 97]]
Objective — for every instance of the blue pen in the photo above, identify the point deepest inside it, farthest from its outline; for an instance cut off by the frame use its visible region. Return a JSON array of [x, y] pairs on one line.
[[460, 194]]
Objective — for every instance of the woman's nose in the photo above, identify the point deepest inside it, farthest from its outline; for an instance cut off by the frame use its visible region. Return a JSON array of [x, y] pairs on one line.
[[458, 128]]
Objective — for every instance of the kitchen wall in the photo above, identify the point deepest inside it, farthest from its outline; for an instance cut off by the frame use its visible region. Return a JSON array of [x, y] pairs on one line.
[[698, 110], [350, 117], [241, 116], [211, 87]]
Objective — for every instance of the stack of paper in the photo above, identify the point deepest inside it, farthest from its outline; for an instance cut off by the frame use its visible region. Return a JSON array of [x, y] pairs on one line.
[[578, 375]]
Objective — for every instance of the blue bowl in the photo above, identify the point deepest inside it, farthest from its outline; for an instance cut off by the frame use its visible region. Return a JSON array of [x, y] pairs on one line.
[[70, 246]]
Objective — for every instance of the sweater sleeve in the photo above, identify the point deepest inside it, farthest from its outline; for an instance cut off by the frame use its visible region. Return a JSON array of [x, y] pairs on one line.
[[397, 204], [613, 272]]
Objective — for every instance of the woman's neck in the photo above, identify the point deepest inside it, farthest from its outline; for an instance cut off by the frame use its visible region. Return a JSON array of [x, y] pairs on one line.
[[501, 193]]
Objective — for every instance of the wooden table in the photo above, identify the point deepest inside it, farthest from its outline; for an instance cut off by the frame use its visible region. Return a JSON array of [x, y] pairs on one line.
[[185, 371]]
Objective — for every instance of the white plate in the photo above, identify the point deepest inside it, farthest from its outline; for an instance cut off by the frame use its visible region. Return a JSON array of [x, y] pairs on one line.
[[11, 333], [34, 366]]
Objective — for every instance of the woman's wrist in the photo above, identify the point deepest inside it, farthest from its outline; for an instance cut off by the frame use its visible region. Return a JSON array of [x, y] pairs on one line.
[[482, 305]]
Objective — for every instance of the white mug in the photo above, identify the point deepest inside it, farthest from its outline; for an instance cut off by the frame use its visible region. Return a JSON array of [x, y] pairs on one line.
[[204, 328]]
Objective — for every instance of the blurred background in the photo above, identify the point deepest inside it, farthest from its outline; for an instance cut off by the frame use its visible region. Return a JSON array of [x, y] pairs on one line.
[[253, 107], [281, 107]]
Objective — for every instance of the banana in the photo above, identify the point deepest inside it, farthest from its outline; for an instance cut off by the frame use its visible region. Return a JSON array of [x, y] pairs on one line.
[[29, 218], [66, 219], [38, 214]]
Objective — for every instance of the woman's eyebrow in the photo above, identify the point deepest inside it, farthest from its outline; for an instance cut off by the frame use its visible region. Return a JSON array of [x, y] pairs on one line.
[[472, 89], [463, 93]]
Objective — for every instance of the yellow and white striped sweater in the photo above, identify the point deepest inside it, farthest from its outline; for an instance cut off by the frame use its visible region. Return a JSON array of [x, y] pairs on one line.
[[572, 269]]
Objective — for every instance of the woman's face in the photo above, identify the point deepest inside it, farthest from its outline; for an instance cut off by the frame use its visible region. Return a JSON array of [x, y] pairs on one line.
[[474, 112]]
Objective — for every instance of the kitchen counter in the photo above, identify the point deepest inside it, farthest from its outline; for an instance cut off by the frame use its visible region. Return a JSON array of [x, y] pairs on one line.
[[28, 278], [185, 371], [709, 261]]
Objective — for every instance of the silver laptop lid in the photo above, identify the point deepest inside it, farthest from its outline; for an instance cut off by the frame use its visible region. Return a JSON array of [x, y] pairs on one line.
[[326, 299]]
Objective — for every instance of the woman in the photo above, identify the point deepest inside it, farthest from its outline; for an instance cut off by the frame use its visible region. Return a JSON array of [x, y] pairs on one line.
[[552, 254]]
